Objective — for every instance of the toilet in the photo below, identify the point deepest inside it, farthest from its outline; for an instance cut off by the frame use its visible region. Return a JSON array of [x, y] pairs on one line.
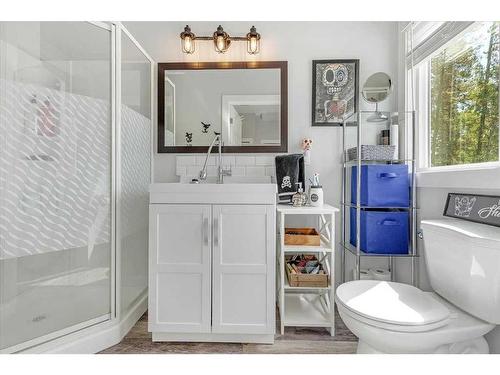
[[463, 264]]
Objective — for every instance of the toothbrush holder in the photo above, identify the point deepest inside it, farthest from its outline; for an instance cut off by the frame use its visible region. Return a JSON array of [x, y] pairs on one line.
[[316, 196]]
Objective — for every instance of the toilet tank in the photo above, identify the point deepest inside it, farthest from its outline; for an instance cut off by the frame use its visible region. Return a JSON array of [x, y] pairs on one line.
[[463, 263]]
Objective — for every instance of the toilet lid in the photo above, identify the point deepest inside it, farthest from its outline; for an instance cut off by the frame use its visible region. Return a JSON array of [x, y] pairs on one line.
[[391, 302]]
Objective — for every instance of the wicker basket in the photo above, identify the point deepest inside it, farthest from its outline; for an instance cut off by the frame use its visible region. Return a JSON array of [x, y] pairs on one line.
[[372, 152], [295, 279], [302, 237]]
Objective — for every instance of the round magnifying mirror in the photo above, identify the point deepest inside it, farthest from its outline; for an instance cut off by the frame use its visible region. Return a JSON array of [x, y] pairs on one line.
[[377, 87]]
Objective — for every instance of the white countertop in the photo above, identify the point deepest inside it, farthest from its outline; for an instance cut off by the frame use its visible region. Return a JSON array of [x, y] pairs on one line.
[[208, 193], [289, 209]]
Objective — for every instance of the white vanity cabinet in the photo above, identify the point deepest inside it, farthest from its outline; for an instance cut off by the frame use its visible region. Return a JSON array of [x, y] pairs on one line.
[[180, 268], [212, 271], [243, 269]]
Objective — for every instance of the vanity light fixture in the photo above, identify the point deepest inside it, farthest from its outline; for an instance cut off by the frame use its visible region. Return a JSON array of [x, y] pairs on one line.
[[221, 40], [187, 40], [253, 41]]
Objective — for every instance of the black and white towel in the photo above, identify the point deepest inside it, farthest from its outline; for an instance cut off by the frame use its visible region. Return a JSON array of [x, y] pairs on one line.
[[289, 171]]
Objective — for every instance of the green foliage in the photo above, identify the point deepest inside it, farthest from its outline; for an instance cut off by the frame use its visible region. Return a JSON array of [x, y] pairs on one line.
[[464, 102]]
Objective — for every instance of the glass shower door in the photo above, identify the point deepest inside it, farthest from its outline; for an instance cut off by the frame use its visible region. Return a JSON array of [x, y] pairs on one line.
[[55, 179], [135, 171]]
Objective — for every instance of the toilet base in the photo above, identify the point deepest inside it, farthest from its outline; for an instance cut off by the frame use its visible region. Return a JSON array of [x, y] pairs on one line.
[[475, 346], [364, 348]]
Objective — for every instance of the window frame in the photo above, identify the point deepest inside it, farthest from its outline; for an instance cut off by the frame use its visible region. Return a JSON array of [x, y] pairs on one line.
[[421, 79]]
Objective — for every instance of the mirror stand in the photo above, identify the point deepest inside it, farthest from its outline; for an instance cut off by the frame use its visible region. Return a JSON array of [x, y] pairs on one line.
[[377, 116]]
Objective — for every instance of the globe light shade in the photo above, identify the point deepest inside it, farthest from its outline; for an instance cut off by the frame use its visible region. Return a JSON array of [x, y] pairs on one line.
[[187, 40], [253, 41]]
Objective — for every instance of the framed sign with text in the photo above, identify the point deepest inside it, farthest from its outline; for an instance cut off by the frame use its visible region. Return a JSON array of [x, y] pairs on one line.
[[484, 209]]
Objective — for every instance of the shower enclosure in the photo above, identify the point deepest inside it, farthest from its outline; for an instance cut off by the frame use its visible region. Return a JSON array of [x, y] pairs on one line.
[[75, 167]]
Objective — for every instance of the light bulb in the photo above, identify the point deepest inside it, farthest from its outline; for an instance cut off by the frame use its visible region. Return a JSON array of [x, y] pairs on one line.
[[253, 41], [188, 45], [220, 44], [252, 45], [221, 40], [187, 40]]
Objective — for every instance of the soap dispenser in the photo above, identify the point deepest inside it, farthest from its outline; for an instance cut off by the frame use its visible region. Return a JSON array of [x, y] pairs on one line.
[[299, 199]]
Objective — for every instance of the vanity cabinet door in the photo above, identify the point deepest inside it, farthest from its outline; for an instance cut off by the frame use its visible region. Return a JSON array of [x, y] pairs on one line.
[[180, 268], [243, 269]]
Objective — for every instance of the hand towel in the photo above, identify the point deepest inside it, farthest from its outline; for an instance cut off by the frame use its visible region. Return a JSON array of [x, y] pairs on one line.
[[289, 171]]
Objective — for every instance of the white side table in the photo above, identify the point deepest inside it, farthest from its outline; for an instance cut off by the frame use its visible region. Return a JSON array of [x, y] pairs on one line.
[[307, 306]]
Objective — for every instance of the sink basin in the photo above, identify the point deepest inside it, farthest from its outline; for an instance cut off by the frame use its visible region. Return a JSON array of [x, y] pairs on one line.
[[234, 190]]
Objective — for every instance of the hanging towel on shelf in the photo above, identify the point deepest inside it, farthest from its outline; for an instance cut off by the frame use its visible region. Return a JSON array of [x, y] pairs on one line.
[[289, 171]]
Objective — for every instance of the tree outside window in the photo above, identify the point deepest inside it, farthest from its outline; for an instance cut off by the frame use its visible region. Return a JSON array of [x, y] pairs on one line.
[[464, 99]]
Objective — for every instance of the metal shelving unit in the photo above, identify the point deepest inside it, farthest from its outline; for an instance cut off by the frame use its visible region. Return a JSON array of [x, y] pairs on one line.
[[358, 123], [307, 306]]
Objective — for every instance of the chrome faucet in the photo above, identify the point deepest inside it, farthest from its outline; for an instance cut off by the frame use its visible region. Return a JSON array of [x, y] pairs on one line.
[[221, 172]]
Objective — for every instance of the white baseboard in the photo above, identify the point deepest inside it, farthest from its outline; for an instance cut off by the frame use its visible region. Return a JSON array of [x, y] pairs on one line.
[[96, 338]]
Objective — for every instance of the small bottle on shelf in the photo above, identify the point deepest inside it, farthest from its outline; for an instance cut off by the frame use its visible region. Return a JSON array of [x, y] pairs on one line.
[[299, 199]]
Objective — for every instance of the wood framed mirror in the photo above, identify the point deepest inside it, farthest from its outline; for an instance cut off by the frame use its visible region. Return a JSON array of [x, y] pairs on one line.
[[247, 102]]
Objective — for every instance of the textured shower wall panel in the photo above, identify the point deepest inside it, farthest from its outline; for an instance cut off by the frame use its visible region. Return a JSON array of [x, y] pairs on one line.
[[135, 170], [135, 178], [54, 170]]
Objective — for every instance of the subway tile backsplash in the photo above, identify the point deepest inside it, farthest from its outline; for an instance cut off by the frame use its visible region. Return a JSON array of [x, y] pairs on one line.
[[255, 171], [190, 165], [186, 160], [264, 160], [245, 160]]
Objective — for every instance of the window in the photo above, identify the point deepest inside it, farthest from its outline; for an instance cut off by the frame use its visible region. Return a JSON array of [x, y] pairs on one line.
[[458, 97]]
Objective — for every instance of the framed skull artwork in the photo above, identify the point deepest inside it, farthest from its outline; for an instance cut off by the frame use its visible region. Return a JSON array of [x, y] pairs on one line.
[[334, 92]]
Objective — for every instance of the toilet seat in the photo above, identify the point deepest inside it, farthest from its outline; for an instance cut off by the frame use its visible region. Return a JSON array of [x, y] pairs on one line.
[[393, 306]]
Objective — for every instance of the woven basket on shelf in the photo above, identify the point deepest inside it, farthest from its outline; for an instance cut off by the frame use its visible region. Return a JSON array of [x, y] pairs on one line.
[[372, 152]]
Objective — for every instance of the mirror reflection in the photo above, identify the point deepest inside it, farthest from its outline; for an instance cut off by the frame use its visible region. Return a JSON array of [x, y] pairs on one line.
[[251, 120], [242, 104], [377, 87]]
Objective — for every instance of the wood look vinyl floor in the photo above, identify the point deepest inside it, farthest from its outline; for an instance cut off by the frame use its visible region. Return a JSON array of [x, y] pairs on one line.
[[294, 341]]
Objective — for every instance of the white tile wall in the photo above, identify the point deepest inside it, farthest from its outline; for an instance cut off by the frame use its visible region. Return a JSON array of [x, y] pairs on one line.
[[193, 170], [271, 171], [238, 171], [245, 160], [264, 160], [201, 159], [189, 166], [228, 160], [186, 160], [180, 170], [255, 171]]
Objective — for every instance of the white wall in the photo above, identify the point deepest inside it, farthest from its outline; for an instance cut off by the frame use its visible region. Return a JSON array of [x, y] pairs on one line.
[[374, 43]]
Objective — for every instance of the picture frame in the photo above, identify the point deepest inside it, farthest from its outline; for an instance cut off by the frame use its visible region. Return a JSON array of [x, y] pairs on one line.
[[184, 146], [335, 91], [478, 208]]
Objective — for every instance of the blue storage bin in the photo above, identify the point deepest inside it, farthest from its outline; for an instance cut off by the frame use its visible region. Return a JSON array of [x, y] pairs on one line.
[[382, 185], [382, 232]]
